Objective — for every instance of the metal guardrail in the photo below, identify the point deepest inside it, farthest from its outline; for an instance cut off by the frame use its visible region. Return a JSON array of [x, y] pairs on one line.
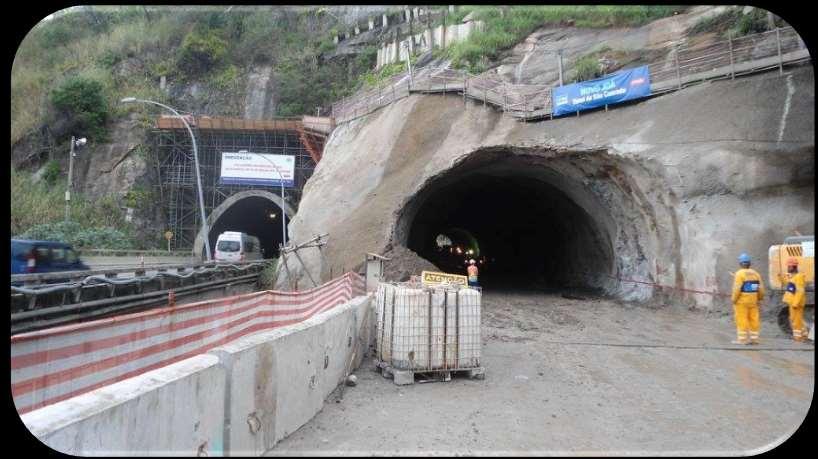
[[679, 68], [29, 302], [104, 277], [41, 318], [125, 253], [41, 278]]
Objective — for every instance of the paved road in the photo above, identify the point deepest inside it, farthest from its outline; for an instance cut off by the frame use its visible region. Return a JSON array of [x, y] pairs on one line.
[[545, 392]]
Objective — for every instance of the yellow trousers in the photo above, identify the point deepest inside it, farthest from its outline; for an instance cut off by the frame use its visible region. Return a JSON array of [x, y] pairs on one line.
[[799, 329], [748, 322]]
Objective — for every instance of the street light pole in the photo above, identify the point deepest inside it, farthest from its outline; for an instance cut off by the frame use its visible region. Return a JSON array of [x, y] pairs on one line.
[[71, 154], [70, 174], [195, 163]]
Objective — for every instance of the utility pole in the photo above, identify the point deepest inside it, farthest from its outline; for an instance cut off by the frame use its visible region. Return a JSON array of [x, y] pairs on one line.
[[70, 174], [71, 155]]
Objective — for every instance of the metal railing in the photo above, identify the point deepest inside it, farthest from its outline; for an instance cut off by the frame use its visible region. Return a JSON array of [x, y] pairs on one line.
[[128, 253], [680, 67], [82, 295]]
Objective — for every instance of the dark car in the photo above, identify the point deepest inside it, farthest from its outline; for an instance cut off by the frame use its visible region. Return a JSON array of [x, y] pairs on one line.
[[43, 257]]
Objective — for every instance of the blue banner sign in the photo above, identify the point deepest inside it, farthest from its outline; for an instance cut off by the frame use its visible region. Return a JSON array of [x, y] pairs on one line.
[[614, 88]]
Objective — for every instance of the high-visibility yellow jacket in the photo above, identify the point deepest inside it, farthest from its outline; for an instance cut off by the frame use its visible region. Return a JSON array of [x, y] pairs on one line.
[[795, 295], [748, 290]]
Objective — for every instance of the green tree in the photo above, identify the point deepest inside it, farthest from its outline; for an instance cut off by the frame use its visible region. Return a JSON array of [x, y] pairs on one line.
[[82, 100], [52, 172], [202, 51]]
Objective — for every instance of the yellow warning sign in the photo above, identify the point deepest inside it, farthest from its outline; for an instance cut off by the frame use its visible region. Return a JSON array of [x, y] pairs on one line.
[[433, 278]]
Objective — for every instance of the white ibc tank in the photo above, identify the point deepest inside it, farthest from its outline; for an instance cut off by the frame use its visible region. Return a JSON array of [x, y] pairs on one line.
[[428, 328]]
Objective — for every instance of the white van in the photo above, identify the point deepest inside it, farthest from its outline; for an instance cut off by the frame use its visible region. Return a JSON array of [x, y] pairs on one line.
[[235, 246]]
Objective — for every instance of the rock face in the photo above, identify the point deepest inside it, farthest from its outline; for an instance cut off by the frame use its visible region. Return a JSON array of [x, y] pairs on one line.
[[667, 191], [112, 168], [259, 103], [535, 61]]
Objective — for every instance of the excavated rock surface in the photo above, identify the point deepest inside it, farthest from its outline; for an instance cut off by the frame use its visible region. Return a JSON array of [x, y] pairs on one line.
[[679, 184], [404, 263]]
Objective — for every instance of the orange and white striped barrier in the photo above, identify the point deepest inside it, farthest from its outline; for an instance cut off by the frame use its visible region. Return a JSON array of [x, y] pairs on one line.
[[48, 366]]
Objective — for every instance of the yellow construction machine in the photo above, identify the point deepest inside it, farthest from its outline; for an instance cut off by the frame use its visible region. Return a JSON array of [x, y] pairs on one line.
[[801, 248]]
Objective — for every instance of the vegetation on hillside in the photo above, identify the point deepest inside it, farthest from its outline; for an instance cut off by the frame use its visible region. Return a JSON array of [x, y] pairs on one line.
[[506, 26], [374, 77], [600, 62], [124, 50], [70, 72], [81, 101], [38, 211], [733, 22]]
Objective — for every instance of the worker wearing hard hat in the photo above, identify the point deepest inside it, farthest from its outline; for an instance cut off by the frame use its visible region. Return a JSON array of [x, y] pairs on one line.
[[748, 291], [472, 271], [795, 298]]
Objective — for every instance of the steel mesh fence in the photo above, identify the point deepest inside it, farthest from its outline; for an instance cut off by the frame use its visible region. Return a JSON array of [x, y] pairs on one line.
[[428, 328]]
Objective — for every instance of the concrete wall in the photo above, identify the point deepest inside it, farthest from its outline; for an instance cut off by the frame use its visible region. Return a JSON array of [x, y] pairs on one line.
[[238, 399], [278, 380], [177, 409], [421, 42]]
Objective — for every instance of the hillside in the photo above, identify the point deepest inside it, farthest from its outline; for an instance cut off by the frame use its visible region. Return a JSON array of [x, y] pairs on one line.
[[258, 62]]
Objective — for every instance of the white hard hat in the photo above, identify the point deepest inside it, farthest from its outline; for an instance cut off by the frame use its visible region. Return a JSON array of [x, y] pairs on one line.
[[472, 261]]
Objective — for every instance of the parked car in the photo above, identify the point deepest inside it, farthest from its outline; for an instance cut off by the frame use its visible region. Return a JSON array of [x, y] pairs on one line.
[[43, 257], [236, 246]]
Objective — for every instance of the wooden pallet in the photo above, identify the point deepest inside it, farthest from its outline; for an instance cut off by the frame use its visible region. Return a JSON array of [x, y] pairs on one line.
[[405, 377]]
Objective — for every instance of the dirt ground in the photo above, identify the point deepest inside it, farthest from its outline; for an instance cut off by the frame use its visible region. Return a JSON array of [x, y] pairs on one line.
[[581, 376]]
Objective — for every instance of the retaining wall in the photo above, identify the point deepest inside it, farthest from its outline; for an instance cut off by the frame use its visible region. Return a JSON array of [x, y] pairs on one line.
[[440, 36], [237, 399]]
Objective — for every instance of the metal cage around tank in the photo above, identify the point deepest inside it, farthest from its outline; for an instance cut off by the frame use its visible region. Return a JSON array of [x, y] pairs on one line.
[[428, 329]]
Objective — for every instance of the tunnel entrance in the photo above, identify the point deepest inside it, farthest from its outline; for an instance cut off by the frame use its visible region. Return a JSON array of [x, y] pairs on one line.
[[254, 215], [524, 220]]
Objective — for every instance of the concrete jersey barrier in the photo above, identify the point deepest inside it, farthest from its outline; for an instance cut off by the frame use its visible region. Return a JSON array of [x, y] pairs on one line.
[[56, 364], [237, 399]]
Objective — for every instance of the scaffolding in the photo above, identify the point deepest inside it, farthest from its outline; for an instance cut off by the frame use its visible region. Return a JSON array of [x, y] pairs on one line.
[[172, 155]]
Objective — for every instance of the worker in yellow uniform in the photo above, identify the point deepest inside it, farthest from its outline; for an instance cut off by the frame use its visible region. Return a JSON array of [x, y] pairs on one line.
[[748, 291], [795, 298]]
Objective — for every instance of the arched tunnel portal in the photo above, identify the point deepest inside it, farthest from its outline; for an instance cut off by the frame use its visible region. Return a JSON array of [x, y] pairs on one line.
[[543, 220], [255, 212]]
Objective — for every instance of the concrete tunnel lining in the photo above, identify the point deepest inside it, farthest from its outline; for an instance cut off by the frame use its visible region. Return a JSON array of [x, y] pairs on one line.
[[261, 197], [578, 224]]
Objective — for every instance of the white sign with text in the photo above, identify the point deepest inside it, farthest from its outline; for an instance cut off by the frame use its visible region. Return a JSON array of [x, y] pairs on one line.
[[245, 168]]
